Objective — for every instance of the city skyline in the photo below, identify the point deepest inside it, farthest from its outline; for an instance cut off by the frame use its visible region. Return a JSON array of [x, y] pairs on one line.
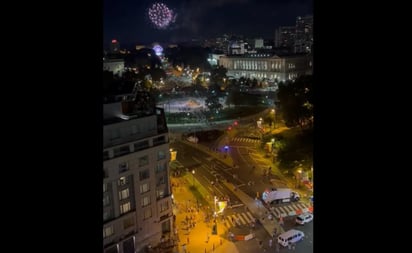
[[128, 21]]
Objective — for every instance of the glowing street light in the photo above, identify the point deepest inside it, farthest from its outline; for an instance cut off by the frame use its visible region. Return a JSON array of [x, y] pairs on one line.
[[273, 115], [298, 177], [193, 173]]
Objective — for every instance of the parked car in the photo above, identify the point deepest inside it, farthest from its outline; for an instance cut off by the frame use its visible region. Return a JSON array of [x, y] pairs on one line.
[[304, 218], [290, 237]]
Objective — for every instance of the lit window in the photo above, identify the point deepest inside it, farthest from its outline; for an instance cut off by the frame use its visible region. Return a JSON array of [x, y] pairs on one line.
[[124, 194], [144, 188], [164, 206], [145, 201], [124, 208], [122, 181], [108, 231], [160, 193]]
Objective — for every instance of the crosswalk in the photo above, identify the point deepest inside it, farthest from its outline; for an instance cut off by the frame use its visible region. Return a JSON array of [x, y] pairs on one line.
[[248, 140], [238, 219], [246, 218], [290, 209]]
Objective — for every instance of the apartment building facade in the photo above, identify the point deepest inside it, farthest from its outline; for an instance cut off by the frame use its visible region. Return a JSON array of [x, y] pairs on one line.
[[137, 203]]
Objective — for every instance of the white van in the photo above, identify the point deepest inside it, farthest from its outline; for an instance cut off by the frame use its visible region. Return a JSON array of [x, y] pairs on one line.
[[290, 236]]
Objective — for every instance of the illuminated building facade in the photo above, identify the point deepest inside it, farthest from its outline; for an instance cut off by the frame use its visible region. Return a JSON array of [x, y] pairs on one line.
[[267, 66], [137, 203], [304, 34], [285, 37], [114, 65]]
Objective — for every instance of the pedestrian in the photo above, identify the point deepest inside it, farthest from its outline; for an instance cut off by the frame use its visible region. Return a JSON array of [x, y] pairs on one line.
[[270, 243]]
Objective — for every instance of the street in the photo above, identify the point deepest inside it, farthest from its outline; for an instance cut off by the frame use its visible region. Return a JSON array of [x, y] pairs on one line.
[[210, 172]]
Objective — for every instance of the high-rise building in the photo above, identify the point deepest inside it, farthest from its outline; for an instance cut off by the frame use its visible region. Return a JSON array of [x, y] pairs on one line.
[[237, 48], [285, 37], [137, 203], [304, 34], [114, 46], [259, 43]]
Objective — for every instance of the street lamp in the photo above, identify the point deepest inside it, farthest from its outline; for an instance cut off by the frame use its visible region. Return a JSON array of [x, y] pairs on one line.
[[193, 173], [273, 111], [214, 227], [298, 177]]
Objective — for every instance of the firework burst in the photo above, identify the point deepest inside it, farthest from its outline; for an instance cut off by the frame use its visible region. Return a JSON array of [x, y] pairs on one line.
[[161, 16]]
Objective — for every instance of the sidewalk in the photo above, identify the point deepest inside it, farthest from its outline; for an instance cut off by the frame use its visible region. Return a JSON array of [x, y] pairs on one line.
[[254, 206], [192, 232]]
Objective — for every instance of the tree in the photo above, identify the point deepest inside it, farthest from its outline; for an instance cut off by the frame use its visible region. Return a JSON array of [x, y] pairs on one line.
[[230, 99], [218, 75], [296, 101], [212, 102]]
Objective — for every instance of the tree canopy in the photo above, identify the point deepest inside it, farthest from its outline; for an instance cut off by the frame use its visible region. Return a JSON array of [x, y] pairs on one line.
[[296, 101]]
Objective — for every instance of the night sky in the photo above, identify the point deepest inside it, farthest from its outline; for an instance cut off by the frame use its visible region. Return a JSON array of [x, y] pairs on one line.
[[128, 21]]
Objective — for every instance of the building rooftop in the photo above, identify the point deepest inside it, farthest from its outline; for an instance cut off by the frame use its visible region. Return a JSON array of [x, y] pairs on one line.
[[118, 108], [267, 55]]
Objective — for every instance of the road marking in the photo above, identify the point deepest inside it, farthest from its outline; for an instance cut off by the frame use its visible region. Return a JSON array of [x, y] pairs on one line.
[[251, 216], [290, 208], [302, 206], [246, 218], [276, 212], [241, 219], [230, 220]]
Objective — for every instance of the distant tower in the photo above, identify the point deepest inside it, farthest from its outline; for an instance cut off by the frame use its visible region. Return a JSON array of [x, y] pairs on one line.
[[304, 34], [114, 46], [285, 37]]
